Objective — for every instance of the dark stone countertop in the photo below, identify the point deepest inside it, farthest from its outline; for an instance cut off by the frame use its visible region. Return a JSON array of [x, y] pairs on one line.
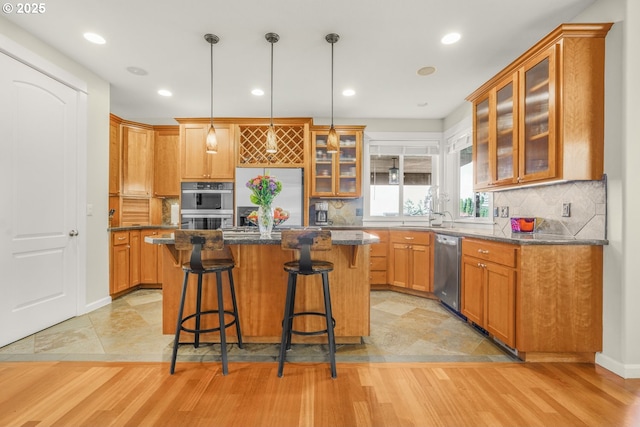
[[338, 237]]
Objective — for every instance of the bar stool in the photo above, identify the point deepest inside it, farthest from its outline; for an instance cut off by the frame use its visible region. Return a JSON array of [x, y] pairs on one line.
[[306, 241], [197, 241]]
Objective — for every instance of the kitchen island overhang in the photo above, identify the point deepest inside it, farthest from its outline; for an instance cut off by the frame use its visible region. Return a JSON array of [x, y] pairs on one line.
[[260, 282]]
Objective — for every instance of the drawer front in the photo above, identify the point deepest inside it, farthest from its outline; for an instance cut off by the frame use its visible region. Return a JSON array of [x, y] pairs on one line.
[[499, 253], [411, 237], [378, 277], [383, 235], [378, 249], [378, 263], [120, 238]]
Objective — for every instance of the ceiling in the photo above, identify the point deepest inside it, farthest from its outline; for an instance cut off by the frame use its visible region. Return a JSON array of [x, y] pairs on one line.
[[382, 45]]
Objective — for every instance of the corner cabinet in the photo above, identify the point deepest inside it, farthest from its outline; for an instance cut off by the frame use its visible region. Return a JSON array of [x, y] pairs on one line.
[[542, 118], [195, 163], [338, 174]]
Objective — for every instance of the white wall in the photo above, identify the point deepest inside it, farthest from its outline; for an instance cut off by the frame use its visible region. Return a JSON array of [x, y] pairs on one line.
[[621, 317], [97, 180]]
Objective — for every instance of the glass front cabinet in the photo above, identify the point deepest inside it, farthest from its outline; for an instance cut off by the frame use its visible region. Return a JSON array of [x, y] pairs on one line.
[[542, 118], [336, 174]]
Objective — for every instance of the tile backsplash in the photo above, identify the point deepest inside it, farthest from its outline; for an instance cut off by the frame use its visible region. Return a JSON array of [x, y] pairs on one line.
[[341, 211], [588, 209]]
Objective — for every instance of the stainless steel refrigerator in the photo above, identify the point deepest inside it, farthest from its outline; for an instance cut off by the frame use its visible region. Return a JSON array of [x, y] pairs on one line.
[[290, 198]]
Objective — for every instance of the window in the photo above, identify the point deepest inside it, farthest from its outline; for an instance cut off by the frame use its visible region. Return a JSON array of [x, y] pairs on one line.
[[471, 204], [400, 178]]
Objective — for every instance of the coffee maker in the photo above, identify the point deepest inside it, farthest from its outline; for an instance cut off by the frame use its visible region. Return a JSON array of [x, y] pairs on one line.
[[322, 213]]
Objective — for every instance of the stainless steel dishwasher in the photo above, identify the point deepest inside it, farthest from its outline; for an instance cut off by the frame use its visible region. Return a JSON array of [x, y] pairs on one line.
[[446, 272]]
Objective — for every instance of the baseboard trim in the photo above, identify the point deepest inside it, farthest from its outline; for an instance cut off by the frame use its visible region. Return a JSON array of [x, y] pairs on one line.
[[96, 305], [626, 371]]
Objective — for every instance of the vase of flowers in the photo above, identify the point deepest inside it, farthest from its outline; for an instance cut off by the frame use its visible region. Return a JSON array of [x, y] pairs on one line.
[[264, 189]]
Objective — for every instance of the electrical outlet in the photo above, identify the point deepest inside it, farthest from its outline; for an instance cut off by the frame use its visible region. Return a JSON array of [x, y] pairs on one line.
[[496, 212], [504, 212], [566, 209]]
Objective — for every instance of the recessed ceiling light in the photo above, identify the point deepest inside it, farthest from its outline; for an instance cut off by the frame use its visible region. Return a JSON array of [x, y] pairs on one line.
[[348, 92], [450, 38], [426, 71], [164, 92], [137, 71], [94, 38], [257, 92]]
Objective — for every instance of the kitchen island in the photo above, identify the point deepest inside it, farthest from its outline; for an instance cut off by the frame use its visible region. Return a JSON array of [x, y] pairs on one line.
[[260, 283]]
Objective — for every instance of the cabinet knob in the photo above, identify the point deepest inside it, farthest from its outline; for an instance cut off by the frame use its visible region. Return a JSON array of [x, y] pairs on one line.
[[482, 265]]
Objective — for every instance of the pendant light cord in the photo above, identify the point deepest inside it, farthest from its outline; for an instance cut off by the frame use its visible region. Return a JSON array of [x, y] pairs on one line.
[[271, 121], [332, 84], [211, 85]]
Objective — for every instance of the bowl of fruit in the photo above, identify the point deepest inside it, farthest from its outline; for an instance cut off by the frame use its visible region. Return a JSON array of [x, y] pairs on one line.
[[279, 216]]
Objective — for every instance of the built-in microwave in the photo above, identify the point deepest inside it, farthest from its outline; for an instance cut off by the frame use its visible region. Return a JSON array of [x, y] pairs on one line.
[[206, 205]]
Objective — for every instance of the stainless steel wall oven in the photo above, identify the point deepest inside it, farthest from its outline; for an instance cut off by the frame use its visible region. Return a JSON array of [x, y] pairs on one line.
[[206, 205]]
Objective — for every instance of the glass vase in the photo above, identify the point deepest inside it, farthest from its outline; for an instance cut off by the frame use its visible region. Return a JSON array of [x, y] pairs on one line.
[[265, 221]]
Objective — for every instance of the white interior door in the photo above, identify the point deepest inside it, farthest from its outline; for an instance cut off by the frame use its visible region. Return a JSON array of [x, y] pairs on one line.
[[38, 190]]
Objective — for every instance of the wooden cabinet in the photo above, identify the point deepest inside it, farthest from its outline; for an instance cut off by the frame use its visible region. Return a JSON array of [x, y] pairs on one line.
[[195, 163], [166, 161], [410, 260], [137, 160], [125, 260], [150, 270], [378, 258], [542, 118], [489, 272], [114, 154], [132, 261], [337, 174]]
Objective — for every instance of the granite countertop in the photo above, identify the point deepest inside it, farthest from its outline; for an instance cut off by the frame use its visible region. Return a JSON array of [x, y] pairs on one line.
[[498, 236], [144, 227], [338, 237]]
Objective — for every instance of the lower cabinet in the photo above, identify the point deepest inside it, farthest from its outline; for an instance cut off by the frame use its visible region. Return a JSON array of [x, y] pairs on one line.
[[410, 260], [132, 262], [378, 256], [489, 287]]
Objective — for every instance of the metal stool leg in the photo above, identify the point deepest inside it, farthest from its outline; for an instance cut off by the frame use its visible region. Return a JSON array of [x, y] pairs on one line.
[[286, 323], [223, 334], [176, 340], [329, 317], [235, 308], [292, 311], [196, 341]]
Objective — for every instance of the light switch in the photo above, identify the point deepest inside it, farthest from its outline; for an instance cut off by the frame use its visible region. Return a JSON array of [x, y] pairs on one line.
[[504, 211]]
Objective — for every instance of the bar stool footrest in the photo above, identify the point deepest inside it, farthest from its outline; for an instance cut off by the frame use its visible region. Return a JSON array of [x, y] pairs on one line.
[[208, 312], [312, 313]]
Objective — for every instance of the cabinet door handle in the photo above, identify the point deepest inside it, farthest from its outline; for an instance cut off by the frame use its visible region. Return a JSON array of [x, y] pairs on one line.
[[482, 265], [409, 238], [483, 251], [121, 238]]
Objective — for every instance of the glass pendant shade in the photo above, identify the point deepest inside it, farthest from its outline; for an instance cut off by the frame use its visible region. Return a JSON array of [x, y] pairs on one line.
[[272, 143], [212, 141], [333, 141], [394, 174]]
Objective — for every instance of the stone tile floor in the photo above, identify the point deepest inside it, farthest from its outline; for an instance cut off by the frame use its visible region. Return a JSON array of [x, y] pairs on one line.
[[404, 328]]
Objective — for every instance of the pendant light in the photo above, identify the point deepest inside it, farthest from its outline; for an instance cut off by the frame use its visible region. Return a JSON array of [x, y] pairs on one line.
[[394, 175], [212, 139], [272, 143], [333, 141]]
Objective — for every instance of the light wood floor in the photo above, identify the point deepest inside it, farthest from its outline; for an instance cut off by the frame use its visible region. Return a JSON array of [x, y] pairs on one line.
[[364, 394]]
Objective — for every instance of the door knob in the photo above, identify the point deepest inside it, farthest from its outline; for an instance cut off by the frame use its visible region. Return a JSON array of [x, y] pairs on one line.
[[73, 233]]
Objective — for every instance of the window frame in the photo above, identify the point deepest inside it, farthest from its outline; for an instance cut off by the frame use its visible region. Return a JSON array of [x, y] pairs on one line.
[[403, 142]]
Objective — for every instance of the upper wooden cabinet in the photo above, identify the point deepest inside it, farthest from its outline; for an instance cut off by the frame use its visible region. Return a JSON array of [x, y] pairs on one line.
[[137, 160], [130, 158], [338, 174], [542, 118], [166, 174], [195, 163]]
